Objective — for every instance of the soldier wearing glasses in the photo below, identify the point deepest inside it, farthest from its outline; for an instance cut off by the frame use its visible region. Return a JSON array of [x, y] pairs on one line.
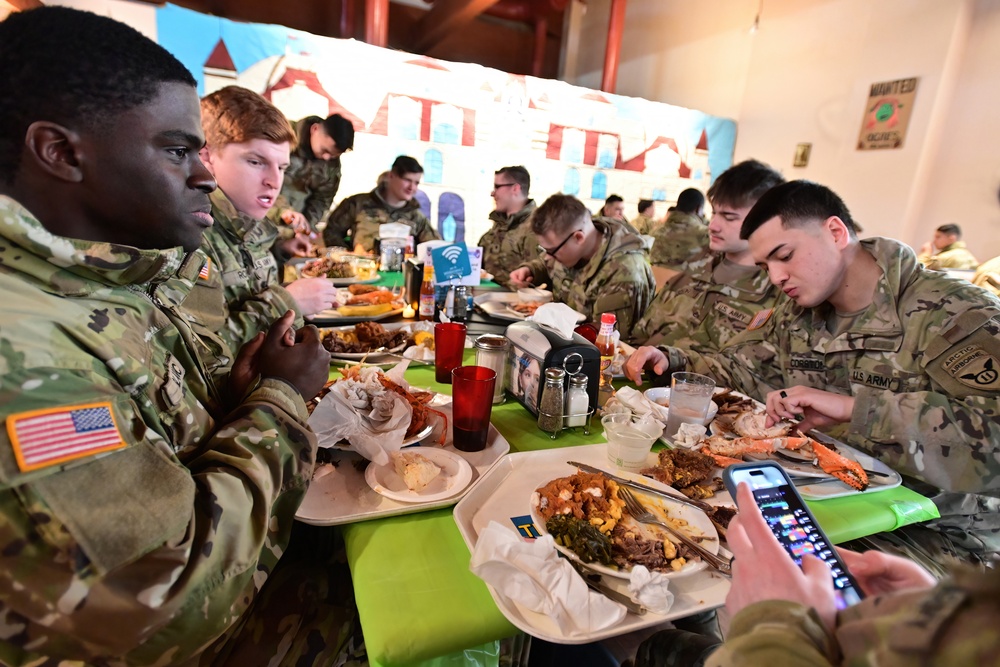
[[594, 265], [510, 241]]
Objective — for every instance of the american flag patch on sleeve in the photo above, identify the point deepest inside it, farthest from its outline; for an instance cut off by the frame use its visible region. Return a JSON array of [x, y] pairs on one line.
[[760, 318], [42, 438], [206, 269]]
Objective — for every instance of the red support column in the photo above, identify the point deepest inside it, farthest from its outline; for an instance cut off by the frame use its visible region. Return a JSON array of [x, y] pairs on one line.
[[377, 22], [616, 26], [347, 19], [538, 57]]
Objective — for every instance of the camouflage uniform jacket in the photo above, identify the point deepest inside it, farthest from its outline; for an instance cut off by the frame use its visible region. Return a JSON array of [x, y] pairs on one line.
[[694, 312], [238, 292], [953, 623], [617, 279], [681, 238], [988, 275], [310, 183], [954, 256], [509, 243], [645, 224], [359, 216], [922, 365], [150, 551]]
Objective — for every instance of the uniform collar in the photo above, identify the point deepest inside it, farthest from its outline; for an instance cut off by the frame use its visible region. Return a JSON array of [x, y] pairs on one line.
[[511, 220], [74, 267], [238, 225]]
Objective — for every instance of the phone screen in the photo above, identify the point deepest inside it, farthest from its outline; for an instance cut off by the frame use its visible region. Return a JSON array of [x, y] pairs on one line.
[[794, 526]]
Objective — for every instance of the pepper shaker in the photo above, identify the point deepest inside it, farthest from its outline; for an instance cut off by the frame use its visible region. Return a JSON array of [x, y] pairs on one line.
[[550, 408]]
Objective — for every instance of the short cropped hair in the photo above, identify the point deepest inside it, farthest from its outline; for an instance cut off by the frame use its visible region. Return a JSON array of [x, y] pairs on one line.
[[341, 131], [951, 229], [743, 184], [404, 164], [645, 204], [797, 203], [236, 115], [613, 199], [690, 200], [558, 213], [517, 174], [76, 69]]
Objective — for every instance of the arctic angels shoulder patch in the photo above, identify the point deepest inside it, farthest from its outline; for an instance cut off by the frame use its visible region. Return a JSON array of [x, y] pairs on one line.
[[974, 367], [43, 438]]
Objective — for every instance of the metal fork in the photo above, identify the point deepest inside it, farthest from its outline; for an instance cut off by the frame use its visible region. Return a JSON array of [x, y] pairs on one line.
[[641, 514]]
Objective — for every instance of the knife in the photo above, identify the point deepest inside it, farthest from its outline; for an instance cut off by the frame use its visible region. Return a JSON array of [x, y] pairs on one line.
[[684, 500], [593, 580]]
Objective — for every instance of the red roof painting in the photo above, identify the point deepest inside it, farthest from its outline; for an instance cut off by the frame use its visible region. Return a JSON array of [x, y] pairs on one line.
[[310, 80], [220, 58]]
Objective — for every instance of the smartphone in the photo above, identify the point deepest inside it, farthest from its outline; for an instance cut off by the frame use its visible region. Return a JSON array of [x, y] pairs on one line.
[[791, 522]]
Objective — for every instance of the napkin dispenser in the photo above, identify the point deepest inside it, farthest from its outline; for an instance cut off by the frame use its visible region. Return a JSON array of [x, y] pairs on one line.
[[533, 348]]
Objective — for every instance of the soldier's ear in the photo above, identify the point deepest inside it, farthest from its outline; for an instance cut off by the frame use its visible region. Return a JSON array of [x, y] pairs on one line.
[[838, 231], [54, 149]]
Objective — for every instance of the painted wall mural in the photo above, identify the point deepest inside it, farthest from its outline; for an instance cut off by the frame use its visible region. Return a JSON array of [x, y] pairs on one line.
[[461, 121]]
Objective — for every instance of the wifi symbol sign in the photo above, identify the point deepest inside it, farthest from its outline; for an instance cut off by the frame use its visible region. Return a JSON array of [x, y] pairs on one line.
[[452, 253]]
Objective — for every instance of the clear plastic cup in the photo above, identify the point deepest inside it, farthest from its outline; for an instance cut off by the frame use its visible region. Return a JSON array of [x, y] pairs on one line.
[[629, 440]]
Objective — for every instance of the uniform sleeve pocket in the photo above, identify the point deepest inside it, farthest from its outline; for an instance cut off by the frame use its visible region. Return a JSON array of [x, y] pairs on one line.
[[121, 506]]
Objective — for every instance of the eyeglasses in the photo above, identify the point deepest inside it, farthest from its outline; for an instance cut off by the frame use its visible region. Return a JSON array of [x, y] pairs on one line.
[[497, 186], [552, 253]]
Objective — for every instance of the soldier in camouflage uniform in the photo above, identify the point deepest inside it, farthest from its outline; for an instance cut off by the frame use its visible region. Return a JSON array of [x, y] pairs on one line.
[[510, 242], [594, 265], [947, 251], [988, 275], [782, 615], [239, 292], [313, 175], [644, 223], [360, 216], [683, 236], [706, 306], [142, 506], [896, 360]]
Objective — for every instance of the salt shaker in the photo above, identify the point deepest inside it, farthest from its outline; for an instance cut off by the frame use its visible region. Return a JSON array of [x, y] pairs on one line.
[[550, 408], [577, 401], [491, 352]]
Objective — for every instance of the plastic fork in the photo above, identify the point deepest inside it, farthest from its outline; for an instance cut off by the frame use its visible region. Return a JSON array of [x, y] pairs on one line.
[[642, 515]]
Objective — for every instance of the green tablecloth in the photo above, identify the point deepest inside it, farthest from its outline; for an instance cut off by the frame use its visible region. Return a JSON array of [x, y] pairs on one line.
[[417, 599], [395, 279]]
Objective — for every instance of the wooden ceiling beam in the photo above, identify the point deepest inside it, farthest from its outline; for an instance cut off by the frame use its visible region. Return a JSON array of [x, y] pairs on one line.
[[446, 18]]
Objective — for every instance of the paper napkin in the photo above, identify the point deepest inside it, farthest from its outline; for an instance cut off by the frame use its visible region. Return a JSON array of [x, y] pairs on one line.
[[557, 316], [651, 589], [533, 575]]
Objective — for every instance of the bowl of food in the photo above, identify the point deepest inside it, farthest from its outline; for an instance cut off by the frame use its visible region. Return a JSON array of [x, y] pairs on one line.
[[660, 397]]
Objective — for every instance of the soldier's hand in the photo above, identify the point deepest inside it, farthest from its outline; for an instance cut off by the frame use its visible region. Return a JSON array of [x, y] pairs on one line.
[[296, 221], [312, 295], [245, 367], [646, 357], [877, 572], [814, 408], [521, 277], [762, 570], [305, 364], [297, 246]]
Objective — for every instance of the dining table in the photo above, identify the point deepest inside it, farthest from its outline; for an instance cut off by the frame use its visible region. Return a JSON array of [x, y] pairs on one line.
[[417, 600]]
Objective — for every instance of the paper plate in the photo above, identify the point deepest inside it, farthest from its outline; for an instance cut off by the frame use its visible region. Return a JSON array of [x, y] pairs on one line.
[[697, 521], [456, 473]]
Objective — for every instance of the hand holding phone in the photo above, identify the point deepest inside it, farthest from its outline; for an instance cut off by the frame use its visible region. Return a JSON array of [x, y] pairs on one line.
[[770, 546]]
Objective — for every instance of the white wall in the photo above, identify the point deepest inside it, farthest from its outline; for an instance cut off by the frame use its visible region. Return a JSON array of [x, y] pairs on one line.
[[804, 77]]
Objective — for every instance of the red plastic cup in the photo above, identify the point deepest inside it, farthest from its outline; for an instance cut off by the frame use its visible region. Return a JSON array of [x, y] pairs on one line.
[[588, 331], [472, 405], [449, 345]]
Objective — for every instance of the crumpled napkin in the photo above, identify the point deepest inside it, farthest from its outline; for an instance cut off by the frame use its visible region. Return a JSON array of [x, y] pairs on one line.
[[652, 589], [370, 418], [634, 400], [557, 316], [533, 575]]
